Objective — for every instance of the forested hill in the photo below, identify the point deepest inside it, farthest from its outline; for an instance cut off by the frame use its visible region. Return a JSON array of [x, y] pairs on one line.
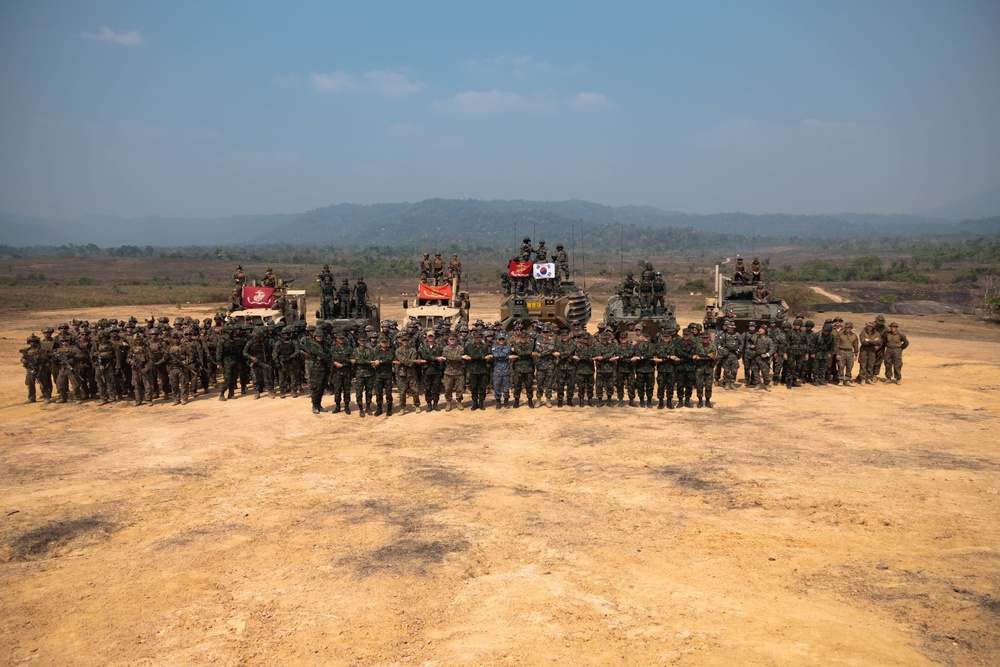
[[472, 223]]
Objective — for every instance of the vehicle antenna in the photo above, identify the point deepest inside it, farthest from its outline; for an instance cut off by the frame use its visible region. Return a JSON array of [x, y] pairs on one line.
[[621, 252], [583, 256]]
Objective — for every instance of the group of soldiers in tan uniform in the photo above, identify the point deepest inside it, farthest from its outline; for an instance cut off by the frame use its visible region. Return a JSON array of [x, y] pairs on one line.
[[434, 271]]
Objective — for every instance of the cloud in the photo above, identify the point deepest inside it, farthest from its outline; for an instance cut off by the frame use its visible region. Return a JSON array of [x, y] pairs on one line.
[[403, 130], [332, 83], [590, 101], [489, 103], [392, 84], [125, 37]]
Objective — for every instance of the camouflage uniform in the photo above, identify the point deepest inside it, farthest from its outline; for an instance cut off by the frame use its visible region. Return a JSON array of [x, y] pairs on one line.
[[824, 346], [666, 378], [682, 350], [545, 365], [257, 354], [848, 345], [319, 368], [705, 352], [433, 369], [565, 373], [384, 355], [364, 375], [406, 372], [870, 342], [764, 350], [524, 369], [29, 359], [643, 357], [228, 353], [584, 358], [895, 343], [605, 382], [454, 372]]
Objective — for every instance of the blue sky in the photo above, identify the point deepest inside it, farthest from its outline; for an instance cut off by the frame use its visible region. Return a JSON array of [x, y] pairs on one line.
[[216, 108]]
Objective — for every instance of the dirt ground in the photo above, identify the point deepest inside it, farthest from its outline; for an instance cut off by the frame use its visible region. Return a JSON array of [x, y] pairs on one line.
[[844, 526]]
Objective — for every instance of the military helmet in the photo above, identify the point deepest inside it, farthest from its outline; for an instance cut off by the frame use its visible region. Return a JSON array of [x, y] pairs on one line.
[[810, 323], [798, 322], [848, 325], [893, 324], [526, 240], [541, 243], [827, 327], [383, 339], [319, 333], [47, 330], [33, 339], [559, 246], [786, 325]]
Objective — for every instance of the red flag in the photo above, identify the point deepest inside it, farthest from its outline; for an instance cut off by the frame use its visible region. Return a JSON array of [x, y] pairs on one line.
[[431, 292], [520, 269], [258, 297]]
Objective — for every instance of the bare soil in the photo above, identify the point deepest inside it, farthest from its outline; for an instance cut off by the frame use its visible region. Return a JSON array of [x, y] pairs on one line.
[[850, 526]]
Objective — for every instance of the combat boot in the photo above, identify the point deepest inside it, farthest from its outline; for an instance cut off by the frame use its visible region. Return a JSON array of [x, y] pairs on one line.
[[590, 402], [256, 395], [361, 411], [177, 401], [701, 403], [631, 402], [336, 408], [498, 405], [600, 402], [531, 403], [388, 409], [506, 402], [315, 410], [448, 407], [222, 396], [347, 407], [670, 402], [517, 402], [458, 404], [416, 404], [559, 402], [642, 403], [282, 395], [660, 406], [687, 402], [569, 401], [368, 407], [709, 403]]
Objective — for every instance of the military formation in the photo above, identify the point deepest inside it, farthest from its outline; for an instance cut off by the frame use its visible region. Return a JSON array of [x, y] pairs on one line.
[[142, 362]]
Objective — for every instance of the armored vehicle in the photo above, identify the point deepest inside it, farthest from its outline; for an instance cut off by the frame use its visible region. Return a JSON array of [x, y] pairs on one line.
[[289, 305], [563, 306], [621, 312], [438, 304], [737, 301]]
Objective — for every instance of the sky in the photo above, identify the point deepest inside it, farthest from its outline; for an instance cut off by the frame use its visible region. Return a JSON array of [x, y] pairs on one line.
[[208, 109]]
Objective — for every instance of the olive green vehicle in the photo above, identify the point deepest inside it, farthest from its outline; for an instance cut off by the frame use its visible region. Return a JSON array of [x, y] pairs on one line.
[[735, 301], [564, 307], [623, 313]]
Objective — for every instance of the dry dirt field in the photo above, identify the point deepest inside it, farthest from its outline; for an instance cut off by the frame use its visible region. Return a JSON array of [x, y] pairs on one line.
[[814, 526]]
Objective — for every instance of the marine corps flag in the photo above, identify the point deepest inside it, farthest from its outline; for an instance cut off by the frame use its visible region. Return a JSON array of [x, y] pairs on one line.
[[434, 292], [258, 297], [520, 269], [544, 271]]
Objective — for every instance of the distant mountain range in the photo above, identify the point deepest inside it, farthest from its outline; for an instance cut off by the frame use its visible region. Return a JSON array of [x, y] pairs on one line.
[[460, 222]]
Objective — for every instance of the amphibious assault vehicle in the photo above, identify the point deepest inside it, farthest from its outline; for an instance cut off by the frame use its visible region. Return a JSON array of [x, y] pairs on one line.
[[563, 307], [735, 300]]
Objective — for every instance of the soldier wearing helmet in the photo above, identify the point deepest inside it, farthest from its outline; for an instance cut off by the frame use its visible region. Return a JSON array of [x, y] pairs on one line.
[[426, 269], [526, 250], [239, 278], [437, 266]]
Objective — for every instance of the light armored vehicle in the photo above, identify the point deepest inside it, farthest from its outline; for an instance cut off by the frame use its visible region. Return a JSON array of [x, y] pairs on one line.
[[621, 312], [288, 305], [438, 304], [739, 302]]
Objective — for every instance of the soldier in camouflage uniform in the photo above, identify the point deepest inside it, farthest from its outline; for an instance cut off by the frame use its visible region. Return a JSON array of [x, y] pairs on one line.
[[524, 368], [142, 369], [565, 371], [106, 365], [406, 362], [287, 357], [433, 367], [478, 358], [227, 355], [728, 351], [848, 345], [682, 352], [870, 342], [763, 351], [665, 377], [545, 364], [453, 381], [881, 329], [704, 359], [606, 358], [797, 354], [29, 359], [258, 355], [895, 343], [824, 348], [644, 359], [340, 371], [384, 356], [500, 353], [584, 359], [364, 375], [319, 367]]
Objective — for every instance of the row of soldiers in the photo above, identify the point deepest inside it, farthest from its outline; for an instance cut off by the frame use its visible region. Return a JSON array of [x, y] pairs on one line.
[[127, 361], [795, 353], [434, 270], [342, 302]]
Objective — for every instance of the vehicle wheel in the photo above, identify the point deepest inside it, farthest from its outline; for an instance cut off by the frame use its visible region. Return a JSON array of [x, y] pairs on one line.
[[406, 304]]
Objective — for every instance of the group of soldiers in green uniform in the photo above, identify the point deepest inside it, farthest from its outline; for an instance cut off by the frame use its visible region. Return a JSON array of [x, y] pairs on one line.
[[647, 296], [794, 353], [344, 301]]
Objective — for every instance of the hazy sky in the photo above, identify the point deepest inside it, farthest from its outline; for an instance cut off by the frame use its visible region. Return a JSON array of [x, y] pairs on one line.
[[213, 108]]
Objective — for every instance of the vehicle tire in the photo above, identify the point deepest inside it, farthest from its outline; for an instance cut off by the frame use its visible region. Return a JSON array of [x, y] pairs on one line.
[[406, 304]]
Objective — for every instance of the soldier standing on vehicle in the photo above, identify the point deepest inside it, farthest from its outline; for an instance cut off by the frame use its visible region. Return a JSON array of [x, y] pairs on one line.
[[360, 298], [239, 278], [455, 271], [426, 269], [659, 294], [562, 262], [438, 267]]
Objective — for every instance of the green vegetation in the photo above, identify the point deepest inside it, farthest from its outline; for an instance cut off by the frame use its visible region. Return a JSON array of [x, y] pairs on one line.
[[868, 268]]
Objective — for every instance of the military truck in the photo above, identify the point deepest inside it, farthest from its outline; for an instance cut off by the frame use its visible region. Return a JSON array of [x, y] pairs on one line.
[[289, 306], [736, 301], [438, 304], [620, 317]]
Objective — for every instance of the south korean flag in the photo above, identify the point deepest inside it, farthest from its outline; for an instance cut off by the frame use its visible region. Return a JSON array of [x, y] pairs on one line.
[[544, 271]]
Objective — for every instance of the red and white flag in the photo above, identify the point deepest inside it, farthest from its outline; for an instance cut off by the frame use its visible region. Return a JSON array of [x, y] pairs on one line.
[[258, 297], [434, 292], [544, 271], [520, 269]]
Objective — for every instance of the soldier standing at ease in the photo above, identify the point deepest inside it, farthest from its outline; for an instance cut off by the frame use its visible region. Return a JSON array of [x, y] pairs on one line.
[[500, 353], [729, 349], [257, 354], [848, 345], [478, 358], [659, 293], [644, 361], [871, 343], [426, 269], [565, 369], [881, 329], [666, 378], [524, 368], [438, 267], [454, 372], [105, 367], [340, 371], [239, 278], [584, 358], [763, 350], [682, 353], [455, 271], [704, 358], [406, 363], [29, 359], [606, 358], [562, 262], [319, 367], [384, 356], [545, 364], [895, 343], [825, 347], [433, 367], [362, 358]]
